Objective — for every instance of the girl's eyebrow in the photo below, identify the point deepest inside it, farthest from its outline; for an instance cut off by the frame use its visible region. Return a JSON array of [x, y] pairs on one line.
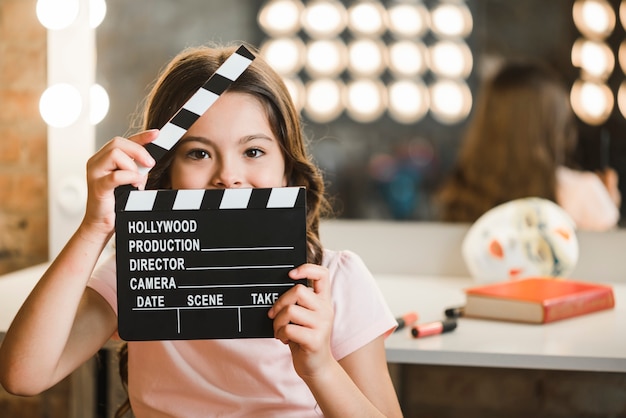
[[202, 139], [242, 140], [263, 136]]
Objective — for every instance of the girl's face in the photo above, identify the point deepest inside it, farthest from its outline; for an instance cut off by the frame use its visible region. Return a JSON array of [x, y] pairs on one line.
[[230, 146]]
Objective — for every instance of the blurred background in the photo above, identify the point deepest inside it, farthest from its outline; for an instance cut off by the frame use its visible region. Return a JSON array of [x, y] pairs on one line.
[[385, 87]]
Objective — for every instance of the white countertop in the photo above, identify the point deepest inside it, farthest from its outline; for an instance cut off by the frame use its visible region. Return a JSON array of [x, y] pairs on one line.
[[593, 342], [14, 289]]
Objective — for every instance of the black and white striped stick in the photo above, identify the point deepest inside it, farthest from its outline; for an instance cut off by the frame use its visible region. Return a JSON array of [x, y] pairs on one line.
[[199, 103], [199, 199]]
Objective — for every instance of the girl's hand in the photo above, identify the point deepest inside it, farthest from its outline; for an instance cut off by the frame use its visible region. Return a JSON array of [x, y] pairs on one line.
[[303, 318], [115, 164]]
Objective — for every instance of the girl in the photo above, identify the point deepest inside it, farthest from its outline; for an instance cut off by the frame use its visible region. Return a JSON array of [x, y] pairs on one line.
[[328, 356], [519, 144]]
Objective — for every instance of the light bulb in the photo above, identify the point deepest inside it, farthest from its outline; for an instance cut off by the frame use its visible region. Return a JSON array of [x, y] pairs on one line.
[[60, 105], [57, 14]]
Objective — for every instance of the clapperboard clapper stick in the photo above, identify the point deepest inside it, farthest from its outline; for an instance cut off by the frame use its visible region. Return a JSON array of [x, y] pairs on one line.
[[205, 264], [199, 103]]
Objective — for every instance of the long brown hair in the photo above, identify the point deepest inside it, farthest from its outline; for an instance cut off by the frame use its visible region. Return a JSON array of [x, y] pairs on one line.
[[521, 131], [181, 78]]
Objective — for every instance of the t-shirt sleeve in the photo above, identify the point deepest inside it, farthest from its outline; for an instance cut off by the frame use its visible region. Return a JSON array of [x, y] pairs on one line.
[[585, 198], [103, 281], [361, 312]]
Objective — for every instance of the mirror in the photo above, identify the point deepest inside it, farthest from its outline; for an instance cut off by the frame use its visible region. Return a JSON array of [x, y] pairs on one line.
[[137, 38]]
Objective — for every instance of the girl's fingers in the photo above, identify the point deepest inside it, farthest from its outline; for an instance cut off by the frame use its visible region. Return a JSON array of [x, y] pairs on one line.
[[134, 147], [120, 160], [317, 276], [304, 315], [143, 157], [298, 323], [296, 309], [291, 333], [295, 314], [294, 296], [301, 295], [123, 154], [145, 137], [121, 177]]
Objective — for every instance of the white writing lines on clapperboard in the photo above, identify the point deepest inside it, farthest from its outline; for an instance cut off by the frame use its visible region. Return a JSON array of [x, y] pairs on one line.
[[247, 248], [260, 299]]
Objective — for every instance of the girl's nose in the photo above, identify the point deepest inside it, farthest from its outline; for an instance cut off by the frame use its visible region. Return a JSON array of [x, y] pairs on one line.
[[227, 176]]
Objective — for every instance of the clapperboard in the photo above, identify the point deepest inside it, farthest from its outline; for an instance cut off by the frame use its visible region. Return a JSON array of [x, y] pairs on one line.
[[205, 264]]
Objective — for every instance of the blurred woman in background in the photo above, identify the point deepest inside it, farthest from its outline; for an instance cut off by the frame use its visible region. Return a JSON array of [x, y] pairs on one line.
[[520, 144]]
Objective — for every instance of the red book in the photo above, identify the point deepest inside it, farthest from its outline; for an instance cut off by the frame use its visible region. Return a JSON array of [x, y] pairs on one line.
[[537, 299]]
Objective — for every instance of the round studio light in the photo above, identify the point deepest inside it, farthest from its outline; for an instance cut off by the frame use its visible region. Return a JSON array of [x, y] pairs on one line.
[[57, 14], [367, 18], [592, 101], [408, 58], [98, 104], [323, 19], [60, 105], [408, 20], [367, 57], [326, 58], [594, 58], [450, 101], [408, 100], [595, 19], [621, 56], [296, 91], [285, 55], [97, 12], [324, 100], [451, 59], [621, 98], [365, 100], [280, 17], [451, 20]]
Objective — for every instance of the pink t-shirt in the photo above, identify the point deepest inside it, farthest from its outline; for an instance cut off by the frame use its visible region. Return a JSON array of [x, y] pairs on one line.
[[583, 195], [246, 377]]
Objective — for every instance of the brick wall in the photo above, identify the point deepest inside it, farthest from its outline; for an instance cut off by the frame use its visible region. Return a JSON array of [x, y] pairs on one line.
[[23, 160], [23, 171]]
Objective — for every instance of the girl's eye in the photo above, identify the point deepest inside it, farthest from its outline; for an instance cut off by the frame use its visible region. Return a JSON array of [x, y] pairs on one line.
[[198, 154], [253, 153]]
